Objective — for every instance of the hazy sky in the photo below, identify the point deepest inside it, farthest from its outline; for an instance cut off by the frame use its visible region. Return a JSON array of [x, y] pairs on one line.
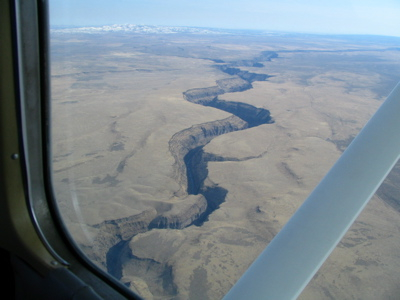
[[314, 16]]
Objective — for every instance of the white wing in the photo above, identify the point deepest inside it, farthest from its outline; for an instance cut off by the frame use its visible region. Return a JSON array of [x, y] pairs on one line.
[[289, 262]]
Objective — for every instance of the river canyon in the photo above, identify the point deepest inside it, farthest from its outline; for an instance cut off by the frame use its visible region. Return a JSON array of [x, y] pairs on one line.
[[178, 157], [191, 161]]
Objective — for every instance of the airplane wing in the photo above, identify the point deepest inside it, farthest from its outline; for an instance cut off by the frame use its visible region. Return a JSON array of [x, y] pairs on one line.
[[292, 258]]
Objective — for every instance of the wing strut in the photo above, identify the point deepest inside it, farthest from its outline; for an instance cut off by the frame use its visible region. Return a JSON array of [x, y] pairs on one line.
[[292, 258]]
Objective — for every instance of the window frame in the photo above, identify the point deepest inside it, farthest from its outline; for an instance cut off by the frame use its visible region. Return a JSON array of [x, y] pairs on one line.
[[39, 237], [33, 231]]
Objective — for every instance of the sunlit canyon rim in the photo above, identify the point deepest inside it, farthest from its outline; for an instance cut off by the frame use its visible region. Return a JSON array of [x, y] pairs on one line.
[[186, 147]]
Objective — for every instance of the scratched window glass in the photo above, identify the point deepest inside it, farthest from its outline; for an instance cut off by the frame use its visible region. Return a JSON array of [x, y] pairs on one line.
[[186, 133]]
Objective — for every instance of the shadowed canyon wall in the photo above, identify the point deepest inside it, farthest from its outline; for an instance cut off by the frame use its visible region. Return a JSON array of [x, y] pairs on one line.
[[190, 169]]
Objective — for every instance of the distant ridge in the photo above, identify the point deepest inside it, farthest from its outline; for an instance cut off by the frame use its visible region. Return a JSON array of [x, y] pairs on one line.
[[153, 29]]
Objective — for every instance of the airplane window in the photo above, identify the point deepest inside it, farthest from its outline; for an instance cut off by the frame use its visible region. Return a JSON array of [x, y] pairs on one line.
[[186, 133]]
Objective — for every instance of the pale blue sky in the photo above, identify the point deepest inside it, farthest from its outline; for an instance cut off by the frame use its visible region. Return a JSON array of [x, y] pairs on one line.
[[314, 16]]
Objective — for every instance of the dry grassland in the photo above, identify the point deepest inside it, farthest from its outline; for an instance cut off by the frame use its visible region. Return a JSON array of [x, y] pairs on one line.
[[115, 108]]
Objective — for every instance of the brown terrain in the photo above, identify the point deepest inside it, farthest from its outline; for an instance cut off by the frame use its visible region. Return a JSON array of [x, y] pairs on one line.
[[178, 157]]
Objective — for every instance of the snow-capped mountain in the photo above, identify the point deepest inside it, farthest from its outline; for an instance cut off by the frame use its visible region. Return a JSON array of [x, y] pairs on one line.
[[144, 29]]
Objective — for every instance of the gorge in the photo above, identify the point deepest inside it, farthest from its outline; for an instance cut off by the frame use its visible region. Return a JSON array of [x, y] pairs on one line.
[[169, 176], [186, 146]]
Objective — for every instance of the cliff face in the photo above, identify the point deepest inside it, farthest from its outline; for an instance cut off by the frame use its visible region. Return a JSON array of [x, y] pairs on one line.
[[186, 146], [231, 85], [254, 116], [245, 75], [182, 213], [111, 232], [202, 94], [198, 135], [228, 85]]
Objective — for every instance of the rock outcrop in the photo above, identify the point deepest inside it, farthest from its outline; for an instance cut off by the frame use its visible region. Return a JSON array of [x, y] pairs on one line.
[[199, 95], [245, 75], [182, 214], [111, 232], [254, 116], [198, 135], [236, 84]]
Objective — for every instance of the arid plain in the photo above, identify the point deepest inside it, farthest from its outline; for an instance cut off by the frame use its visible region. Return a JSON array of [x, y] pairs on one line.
[[128, 108]]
